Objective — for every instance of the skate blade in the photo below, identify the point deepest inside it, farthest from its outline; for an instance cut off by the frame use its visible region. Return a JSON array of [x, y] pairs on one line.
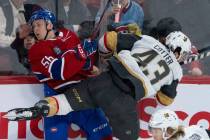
[[11, 115]]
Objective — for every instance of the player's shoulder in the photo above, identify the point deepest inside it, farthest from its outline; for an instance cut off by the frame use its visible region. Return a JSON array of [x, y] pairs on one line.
[[39, 44], [36, 46], [195, 132], [148, 42], [66, 34], [150, 38], [191, 128], [39, 47], [63, 32]]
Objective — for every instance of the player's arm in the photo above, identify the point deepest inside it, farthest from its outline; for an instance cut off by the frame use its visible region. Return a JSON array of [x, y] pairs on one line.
[[72, 61], [115, 42], [46, 66], [167, 93]]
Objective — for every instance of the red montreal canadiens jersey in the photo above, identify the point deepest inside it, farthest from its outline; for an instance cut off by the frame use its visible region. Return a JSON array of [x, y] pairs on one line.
[[59, 61]]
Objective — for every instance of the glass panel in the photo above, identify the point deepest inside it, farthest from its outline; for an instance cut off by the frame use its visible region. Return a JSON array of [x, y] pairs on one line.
[[193, 16]]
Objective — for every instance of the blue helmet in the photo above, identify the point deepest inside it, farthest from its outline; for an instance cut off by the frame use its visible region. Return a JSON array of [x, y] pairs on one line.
[[43, 14]]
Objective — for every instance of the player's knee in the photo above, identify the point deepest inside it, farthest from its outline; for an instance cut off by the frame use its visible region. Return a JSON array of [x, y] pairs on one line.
[[97, 126], [129, 135], [121, 106], [167, 93], [164, 99], [125, 126], [126, 130], [59, 105], [54, 105]]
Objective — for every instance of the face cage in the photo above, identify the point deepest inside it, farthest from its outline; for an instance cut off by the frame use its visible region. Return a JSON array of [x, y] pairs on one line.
[[183, 56], [164, 132]]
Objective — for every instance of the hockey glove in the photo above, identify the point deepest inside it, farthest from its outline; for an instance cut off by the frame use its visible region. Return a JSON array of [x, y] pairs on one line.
[[90, 46], [167, 93]]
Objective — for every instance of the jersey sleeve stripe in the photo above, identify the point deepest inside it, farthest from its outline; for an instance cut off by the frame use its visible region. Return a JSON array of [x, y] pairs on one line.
[[66, 84], [55, 69], [50, 66], [41, 77], [68, 52], [62, 69], [164, 99]]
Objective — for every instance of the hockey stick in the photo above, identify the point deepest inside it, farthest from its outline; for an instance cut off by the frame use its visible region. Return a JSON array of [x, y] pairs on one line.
[[204, 49], [97, 26], [203, 53]]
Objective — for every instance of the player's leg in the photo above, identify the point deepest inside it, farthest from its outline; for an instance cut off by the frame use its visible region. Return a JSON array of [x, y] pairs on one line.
[[75, 98], [119, 106], [92, 121], [56, 128], [96, 126], [124, 121]]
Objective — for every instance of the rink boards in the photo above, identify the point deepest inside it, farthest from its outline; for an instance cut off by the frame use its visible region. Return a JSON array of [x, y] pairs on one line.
[[192, 106]]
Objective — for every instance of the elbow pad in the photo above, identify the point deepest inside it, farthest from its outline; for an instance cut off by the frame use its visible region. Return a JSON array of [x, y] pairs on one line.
[[167, 93]]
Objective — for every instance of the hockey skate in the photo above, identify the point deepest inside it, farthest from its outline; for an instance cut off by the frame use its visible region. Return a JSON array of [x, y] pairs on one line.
[[23, 114]]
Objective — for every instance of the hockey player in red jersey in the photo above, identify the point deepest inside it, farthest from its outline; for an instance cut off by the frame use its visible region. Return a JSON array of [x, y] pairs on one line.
[[59, 60]]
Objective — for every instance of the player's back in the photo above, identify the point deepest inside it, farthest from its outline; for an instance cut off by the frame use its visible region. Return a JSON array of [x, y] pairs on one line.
[[153, 63]]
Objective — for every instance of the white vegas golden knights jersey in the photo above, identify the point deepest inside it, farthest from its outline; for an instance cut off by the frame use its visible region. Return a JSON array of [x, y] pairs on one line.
[[195, 133], [152, 62]]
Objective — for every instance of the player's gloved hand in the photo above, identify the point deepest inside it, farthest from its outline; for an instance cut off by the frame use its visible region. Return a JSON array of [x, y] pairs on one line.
[[95, 71], [134, 29], [90, 46]]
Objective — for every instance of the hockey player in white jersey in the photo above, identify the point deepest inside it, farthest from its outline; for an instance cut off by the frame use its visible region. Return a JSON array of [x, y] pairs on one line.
[[140, 67], [164, 125]]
